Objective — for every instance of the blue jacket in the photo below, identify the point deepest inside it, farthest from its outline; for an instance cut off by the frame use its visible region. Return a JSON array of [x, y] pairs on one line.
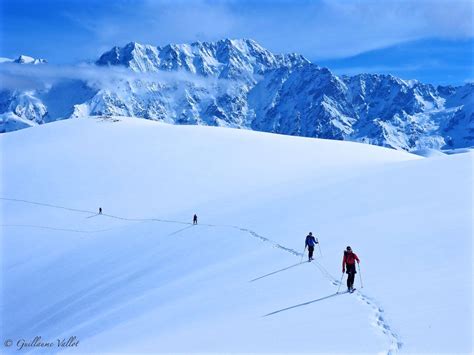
[[310, 241]]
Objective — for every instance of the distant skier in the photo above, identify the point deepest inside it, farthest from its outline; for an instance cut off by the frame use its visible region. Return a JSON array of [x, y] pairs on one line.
[[310, 242], [100, 210], [348, 263], [195, 219]]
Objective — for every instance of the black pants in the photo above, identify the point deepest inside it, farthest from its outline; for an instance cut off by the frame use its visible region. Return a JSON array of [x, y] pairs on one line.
[[351, 271], [310, 252]]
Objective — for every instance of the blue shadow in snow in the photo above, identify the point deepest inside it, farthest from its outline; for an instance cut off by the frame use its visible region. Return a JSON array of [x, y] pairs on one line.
[[305, 304], [276, 272]]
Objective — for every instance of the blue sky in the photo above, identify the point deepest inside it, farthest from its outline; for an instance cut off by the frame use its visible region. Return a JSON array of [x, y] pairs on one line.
[[429, 40]]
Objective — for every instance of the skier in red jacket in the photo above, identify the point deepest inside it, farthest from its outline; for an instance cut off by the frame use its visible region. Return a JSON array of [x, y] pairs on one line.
[[348, 263]]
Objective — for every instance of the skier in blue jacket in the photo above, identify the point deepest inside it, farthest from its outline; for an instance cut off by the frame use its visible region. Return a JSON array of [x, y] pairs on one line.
[[310, 243]]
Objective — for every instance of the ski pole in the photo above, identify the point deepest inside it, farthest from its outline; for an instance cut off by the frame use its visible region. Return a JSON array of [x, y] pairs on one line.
[[360, 276], [302, 255], [340, 283], [319, 247]]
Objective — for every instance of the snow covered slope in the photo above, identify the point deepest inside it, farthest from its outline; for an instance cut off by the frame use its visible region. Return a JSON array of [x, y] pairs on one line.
[[141, 278], [238, 83]]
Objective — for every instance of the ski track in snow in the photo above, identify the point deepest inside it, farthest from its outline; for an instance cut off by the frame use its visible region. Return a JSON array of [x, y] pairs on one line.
[[54, 228], [378, 319]]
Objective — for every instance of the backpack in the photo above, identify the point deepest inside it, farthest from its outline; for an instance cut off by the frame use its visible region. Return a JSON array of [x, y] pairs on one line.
[[349, 258]]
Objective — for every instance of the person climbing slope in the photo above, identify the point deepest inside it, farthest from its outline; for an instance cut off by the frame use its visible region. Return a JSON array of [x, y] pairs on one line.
[[348, 265], [310, 242], [195, 219]]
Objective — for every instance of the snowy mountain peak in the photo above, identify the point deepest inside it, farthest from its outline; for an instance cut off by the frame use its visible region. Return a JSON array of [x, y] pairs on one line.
[[227, 58], [131, 55], [24, 59], [253, 88]]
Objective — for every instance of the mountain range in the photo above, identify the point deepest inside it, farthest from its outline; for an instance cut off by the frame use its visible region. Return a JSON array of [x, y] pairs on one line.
[[240, 84]]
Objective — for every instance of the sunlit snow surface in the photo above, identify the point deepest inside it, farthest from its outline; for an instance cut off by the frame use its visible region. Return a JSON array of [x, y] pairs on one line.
[[141, 278]]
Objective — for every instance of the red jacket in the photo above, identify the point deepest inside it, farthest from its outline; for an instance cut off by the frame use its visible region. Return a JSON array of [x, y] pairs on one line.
[[349, 258]]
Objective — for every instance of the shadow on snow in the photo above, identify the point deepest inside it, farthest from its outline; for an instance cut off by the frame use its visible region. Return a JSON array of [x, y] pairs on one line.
[[276, 272], [304, 304]]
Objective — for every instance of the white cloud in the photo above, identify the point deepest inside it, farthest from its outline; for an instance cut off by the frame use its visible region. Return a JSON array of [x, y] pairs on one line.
[[339, 28], [317, 29], [32, 77]]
